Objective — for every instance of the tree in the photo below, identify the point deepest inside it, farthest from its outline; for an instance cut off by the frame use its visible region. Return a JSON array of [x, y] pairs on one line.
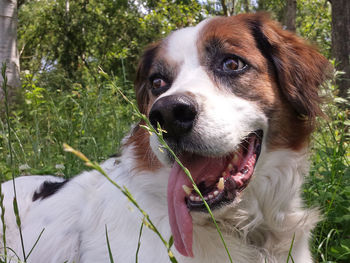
[[341, 43], [275, 7], [8, 44], [245, 4], [73, 41], [228, 7], [313, 23], [291, 13]]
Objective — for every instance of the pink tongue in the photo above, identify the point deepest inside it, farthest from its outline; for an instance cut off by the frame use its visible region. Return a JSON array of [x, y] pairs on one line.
[[179, 215]]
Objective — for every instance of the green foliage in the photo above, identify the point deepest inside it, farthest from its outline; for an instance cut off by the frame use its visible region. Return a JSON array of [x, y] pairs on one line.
[[75, 40], [91, 118], [314, 23], [275, 7], [328, 186]]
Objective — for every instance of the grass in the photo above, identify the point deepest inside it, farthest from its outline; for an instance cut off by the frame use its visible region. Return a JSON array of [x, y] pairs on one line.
[[328, 186], [9, 133], [95, 118], [92, 119]]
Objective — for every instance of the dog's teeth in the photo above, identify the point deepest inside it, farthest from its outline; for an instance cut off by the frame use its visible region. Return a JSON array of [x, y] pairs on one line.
[[187, 190], [245, 170], [197, 198], [210, 196], [221, 184], [192, 198], [216, 192], [234, 158], [206, 198]]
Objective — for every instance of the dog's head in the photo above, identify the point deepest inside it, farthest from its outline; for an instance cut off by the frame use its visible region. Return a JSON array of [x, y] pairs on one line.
[[224, 91]]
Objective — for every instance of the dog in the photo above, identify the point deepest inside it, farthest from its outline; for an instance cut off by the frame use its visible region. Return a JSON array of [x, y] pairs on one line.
[[237, 98]]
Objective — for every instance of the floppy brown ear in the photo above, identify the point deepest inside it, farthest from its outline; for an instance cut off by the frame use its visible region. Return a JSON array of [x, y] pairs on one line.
[[300, 69], [142, 74], [140, 137]]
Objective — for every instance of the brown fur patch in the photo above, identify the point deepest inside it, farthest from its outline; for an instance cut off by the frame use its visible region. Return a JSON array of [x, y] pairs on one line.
[[299, 69], [146, 159], [142, 75], [153, 60], [284, 77]]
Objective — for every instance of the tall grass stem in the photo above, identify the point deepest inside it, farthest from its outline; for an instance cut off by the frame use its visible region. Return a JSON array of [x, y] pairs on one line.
[[9, 134]]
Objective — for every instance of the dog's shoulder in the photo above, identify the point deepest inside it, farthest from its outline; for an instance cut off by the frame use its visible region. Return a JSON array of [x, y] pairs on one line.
[[28, 187]]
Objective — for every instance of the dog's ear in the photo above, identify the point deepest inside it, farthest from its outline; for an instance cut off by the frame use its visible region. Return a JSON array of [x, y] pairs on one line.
[[142, 75], [300, 69]]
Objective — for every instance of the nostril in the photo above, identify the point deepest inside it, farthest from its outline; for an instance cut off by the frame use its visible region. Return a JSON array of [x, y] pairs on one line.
[[184, 113], [156, 117]]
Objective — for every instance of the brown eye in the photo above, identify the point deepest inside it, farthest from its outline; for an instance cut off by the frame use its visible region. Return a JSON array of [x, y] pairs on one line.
[[233, 64], [158, 83]]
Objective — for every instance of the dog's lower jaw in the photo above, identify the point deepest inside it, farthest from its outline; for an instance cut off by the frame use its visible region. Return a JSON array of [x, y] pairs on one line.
[[267, 218]]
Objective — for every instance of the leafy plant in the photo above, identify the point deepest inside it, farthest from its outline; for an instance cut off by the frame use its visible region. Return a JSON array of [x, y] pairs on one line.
[[328, 187]]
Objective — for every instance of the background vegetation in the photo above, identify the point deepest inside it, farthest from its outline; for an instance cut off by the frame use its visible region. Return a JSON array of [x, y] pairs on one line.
[[64, 45]]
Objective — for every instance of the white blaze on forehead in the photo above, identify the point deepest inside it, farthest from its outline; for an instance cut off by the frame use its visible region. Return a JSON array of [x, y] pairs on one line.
[[182, 45], [181, 48]]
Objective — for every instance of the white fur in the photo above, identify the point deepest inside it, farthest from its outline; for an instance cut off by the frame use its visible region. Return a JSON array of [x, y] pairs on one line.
[[74, 219], [258, 227]]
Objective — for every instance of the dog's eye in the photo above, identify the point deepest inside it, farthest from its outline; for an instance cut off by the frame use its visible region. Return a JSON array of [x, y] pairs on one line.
[[233, 64], [158, 83]]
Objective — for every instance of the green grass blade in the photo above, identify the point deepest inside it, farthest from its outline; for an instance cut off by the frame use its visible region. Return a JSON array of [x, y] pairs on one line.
[[109, 247], [36, 242], [2, 216], [139, 243], [290, 250], [9, 133]]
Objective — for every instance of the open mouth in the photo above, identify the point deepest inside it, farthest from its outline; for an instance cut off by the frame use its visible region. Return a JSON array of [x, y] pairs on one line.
[[221, 188], [219, 179]]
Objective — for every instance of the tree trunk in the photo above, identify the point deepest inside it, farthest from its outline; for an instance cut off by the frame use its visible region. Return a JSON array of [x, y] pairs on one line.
[[224, 7], [246, 6], [291, 13], [228, 7], [8, 45], [341, 44]]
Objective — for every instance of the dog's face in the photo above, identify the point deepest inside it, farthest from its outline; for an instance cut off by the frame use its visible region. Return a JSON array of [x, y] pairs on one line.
[[225, 92]]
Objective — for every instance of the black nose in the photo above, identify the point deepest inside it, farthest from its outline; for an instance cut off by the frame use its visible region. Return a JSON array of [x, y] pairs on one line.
[[176, 114]]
